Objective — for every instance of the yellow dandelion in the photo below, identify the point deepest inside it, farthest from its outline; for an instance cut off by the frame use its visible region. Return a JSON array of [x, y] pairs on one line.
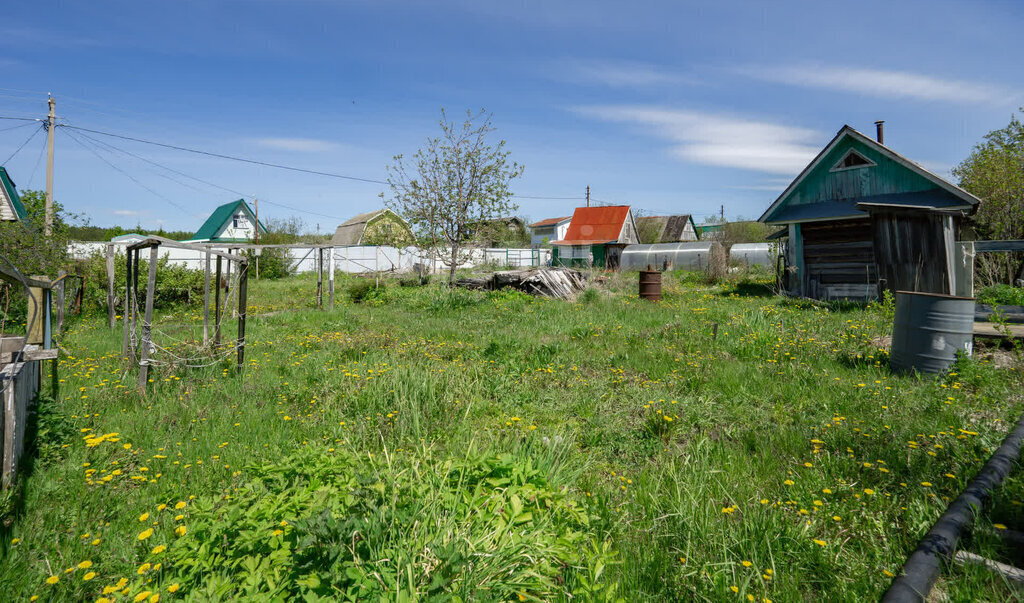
[[85, 564], [746, 563], [180, 530], [53, 580], [158, 549], [173, 588], [180, 504], [142, 596], [820, 542], [145, 533], [144, 517], [89, 576], [868, 491]]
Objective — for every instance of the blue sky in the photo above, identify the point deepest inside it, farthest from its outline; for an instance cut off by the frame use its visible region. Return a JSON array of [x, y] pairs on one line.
[[677, 107]]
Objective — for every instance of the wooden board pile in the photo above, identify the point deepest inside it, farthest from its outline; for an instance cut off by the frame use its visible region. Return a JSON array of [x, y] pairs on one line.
[[560, 283]]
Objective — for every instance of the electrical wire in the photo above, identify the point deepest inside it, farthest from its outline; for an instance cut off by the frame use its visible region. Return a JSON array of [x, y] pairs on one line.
[[229, 157], [127, 175], [18, 150], [39, 160], [15, 127]]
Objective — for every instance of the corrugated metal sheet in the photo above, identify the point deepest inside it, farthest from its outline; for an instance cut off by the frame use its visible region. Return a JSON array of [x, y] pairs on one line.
[[549, 222], [752, 254], [592, 225]]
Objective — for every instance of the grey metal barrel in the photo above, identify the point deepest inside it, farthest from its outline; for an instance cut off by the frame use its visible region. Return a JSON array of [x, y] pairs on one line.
[[929, 330]]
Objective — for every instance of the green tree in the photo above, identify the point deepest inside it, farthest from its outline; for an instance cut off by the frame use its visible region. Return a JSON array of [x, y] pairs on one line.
[[24, 243], [456, 181], [994, 172]]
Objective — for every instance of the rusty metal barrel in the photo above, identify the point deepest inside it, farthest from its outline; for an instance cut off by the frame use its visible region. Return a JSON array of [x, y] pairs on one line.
[[650, 285], [929, 330]]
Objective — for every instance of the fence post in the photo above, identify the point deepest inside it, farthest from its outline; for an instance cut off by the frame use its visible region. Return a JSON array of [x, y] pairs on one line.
[[127, 316], [61, 290], [110, 286], [320, 277], [243, 288], [36, 314], [330, 280], [216, 307], [147, 320], [206, 300], [132, 347]]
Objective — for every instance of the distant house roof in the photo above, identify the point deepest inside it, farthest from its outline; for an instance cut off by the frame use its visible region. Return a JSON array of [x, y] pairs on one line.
[[592, 225], [350, 233], [128, 238], [670, 228], [208, 231], [550, 222], [943, 195], [10, 198]]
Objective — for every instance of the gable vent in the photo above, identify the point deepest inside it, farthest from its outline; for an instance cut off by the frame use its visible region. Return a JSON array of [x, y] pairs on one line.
[[852, 160]]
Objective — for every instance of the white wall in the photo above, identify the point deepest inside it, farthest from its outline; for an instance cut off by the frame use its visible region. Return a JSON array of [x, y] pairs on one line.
[[346, 259]]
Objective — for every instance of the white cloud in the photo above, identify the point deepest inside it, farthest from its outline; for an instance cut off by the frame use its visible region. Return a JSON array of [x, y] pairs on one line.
[[718, 140], [127, 212], [305, 145], [886, 84], [618, 73]]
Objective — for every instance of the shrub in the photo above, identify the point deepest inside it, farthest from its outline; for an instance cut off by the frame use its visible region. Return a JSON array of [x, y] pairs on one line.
[[273, 262], [175, 284], [367, 291]]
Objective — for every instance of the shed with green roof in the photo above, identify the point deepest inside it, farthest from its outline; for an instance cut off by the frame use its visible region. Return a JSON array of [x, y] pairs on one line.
[[11, 208], [233, 222]]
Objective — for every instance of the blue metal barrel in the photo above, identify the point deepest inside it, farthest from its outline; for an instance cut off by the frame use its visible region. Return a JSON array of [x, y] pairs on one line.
[[929, 330]]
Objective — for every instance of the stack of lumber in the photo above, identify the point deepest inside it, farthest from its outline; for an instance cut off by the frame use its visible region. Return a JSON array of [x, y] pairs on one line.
[[560, 283]]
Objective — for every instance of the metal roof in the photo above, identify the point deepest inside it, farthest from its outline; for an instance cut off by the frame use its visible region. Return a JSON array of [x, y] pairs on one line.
[[670, 228], [9, 192], [592, 225], [852, 208], [350, 233], [966, 199], [222, 214], [550, 222]]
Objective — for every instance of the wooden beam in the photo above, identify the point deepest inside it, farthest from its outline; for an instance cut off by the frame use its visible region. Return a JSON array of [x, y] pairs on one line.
[[61, 291], [330, 280], [36, 329], [147, 321], [243, 289], [1013, 574], [110, 286], [206, 301], [127, 316], [320, 278], [216, 306], [981, 246]]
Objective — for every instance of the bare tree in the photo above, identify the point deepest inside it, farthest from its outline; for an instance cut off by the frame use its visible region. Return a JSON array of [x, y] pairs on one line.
[[455, 182]]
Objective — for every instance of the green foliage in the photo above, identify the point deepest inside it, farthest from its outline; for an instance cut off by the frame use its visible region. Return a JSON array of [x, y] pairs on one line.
[[175, 284], [90, 232], [1003, 294], [368, 291], [25, 244], [414, 281], [457, 181], [994, 172], [589, 296], [330, 524]]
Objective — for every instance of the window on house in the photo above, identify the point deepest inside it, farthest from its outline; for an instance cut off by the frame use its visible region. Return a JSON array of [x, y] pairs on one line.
[[852, 159]]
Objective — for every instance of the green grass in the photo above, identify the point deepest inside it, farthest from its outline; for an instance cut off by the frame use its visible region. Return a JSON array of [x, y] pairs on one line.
[[459, 445]]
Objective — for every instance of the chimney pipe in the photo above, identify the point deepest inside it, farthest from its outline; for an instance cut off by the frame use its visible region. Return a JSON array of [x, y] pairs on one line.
[[880, 131]]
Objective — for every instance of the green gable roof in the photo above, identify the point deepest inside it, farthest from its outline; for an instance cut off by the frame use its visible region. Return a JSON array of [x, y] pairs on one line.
[[11, 192], [219, 217], [825, 190]]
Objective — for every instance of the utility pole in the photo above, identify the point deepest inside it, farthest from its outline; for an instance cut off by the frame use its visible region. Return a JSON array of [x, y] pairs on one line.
[[588, 195], [723, 213], [256, 202], [50, 123]]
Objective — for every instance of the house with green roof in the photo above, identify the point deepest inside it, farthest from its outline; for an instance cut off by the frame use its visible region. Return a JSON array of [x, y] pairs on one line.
[[233, 222], [11, 208]]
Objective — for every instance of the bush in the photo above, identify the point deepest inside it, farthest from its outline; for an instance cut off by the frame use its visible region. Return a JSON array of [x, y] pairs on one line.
[[414, 281], [367, 291], [175, 284], [1003, 295], [273, 263]]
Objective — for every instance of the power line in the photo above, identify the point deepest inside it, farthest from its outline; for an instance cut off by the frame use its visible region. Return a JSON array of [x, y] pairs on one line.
[[126, 174], [16, 151], [21, 118], [16, 127], [208, 183], [229, 157]]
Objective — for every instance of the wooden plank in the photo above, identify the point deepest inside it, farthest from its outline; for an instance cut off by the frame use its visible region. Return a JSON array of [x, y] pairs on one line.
[[320, 278], [61, 291], [10, 276], [980, 246], [36, 329], [330, 280], [30, 354], [988, 329], [1014, 574], [127, 317], [243, 289], [132, 343], [216, 306], [206, 301], [147, 321], [110, 286]]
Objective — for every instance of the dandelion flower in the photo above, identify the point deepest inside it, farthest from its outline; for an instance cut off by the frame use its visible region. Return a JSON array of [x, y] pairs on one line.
[[173, 588], [734, 589], [888, 573], [868, 491], [142, 596], [746, 563], [179, 505], [144, 517], [53, 580], [89, 576], [180, 530], [820, 542], [145, 533], [85, 564], [158, 549], [926, 484], [789, 482], [999, 526]]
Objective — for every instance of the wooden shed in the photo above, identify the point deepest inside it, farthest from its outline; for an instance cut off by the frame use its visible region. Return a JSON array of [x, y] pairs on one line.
[[861, 218], [11, 208], [380, 227], [595, 233]]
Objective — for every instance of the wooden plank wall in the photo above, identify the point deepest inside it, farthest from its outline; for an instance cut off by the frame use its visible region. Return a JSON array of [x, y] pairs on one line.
[[839, 261], [20, 384], [911, 250]]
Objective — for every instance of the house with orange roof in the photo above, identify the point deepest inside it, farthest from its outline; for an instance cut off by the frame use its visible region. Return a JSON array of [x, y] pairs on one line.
[[594, 235]]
